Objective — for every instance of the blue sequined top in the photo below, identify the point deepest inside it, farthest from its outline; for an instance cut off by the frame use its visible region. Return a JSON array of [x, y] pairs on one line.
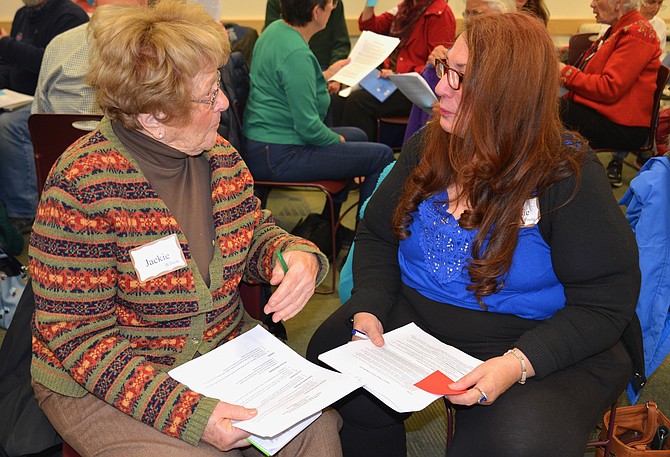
[[434, 259]]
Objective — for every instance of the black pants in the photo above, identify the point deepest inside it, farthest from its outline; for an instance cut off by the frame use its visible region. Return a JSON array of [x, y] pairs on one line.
[[600, 132], [549, 417], [361, 109]]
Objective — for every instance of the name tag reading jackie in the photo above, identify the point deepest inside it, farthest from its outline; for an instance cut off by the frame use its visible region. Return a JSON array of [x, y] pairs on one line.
[[157, 258]]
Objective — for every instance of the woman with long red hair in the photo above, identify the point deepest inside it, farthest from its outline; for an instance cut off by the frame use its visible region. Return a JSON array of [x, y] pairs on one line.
[[494, 233]]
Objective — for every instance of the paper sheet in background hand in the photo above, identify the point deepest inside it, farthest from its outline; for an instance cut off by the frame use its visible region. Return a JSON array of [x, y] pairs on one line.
[[380, 88], [390, 372], [256, 370], [416, 89], [370, 51]]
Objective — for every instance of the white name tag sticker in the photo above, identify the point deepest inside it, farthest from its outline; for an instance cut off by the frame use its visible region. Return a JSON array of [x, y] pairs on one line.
[[530, 215], [153, 260]]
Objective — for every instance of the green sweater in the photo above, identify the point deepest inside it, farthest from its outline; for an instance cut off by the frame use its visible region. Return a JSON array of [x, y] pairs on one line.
[[330, 44], [99, 329], [288, 99]]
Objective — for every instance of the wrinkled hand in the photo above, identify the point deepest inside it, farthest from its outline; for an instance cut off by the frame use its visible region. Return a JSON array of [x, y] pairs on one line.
[[370, 325], [493, 377], [440, 52], [334, 68], [220, 432], [296, 287]]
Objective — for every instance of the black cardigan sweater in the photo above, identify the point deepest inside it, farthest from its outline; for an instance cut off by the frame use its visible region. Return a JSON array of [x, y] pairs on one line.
[[593, 251]]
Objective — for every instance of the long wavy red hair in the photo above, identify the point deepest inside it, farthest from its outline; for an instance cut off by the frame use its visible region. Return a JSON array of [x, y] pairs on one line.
[[512, 145]]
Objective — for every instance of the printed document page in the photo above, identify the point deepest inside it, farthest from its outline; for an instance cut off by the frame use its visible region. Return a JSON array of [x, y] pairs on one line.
[[256, 370], [416, 89], [408, 356], [370, 51]]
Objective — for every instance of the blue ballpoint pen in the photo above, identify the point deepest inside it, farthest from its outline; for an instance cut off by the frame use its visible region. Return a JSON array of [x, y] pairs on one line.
[[360, 334]]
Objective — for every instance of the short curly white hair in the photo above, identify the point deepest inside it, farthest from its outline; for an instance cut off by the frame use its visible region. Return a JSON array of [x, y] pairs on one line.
[[627, 5]]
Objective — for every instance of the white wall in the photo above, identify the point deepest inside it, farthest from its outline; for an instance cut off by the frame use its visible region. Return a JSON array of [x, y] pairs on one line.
[[248, 9], [255, 9]]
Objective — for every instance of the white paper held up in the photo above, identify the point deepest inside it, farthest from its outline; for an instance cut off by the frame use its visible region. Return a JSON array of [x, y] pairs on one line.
[[370, 51], [390, 372], [416, 89]]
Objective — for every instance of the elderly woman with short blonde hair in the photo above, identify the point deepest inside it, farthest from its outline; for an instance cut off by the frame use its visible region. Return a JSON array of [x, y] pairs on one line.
[[111, 317]]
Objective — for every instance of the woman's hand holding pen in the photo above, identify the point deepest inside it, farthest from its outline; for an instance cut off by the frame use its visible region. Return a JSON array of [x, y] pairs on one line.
[[220, 432], [369, 325], [296, 280]]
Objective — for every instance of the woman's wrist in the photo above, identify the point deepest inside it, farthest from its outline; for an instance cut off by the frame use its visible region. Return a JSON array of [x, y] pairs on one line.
[[522, 360]]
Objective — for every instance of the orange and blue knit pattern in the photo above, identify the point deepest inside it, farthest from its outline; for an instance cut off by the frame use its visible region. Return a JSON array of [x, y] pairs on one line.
[[97, 328]]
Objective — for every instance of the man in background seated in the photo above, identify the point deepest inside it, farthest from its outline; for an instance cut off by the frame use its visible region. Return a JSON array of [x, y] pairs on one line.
[[329, 45], [21, 52], [61, 87]]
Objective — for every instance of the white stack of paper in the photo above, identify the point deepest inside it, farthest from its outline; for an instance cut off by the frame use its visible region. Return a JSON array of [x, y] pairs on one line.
[[416, 89], [408, 356], [10, 100], [256, 370]]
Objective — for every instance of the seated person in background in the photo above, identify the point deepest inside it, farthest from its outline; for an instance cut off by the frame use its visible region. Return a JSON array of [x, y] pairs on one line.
[[61, 86], [329, 45], [610, 94], [488, 234], [86, 5], [421, 25], [417, 116], [287, 139], [535, 7], [106, 330], [649, 10], [21, 52]]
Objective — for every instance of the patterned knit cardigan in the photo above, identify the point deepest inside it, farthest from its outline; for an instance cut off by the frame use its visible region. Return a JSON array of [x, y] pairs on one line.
[[97, 328]]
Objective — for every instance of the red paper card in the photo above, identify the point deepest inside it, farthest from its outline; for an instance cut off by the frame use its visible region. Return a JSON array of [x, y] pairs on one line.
[[436, 383]]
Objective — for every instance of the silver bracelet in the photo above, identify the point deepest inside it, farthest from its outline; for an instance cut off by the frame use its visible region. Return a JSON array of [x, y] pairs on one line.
[[523, 364]]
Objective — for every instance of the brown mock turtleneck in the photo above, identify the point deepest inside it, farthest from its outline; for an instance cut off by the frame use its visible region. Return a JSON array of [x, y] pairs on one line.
[[183, 183]]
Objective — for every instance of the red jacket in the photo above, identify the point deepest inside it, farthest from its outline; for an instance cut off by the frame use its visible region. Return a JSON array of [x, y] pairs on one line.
[[436, 26], [620, 79]]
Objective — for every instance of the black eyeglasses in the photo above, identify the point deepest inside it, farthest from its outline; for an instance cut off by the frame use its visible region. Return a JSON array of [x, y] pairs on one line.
[[211, 101], [454, 77]]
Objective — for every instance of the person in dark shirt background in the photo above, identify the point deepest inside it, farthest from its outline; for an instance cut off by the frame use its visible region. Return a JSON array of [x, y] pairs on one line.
[[21, 52]]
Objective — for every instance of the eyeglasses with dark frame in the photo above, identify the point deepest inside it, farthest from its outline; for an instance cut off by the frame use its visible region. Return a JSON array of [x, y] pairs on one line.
[[212, 100], [454, 77]]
